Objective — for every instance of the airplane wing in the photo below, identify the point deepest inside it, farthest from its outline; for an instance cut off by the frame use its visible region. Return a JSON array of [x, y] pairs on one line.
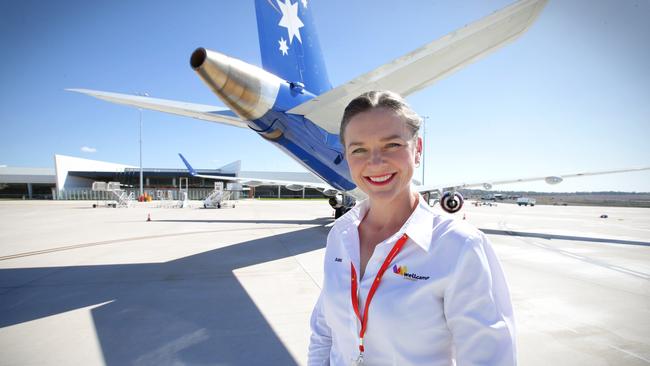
[[427, 64], [253, 182], [199, 111], [552, 179]]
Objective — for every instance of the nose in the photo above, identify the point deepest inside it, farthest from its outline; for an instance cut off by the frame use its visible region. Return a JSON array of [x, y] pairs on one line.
[[376, 157]]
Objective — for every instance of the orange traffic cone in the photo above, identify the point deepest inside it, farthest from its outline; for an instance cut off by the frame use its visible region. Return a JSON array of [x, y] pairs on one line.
[[148, 217]]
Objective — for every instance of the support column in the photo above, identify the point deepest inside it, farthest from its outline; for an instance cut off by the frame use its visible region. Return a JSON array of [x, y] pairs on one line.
[[279, 191], [29, 190]]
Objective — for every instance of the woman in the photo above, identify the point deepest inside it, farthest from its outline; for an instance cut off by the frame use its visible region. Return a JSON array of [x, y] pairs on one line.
[[404, 285]]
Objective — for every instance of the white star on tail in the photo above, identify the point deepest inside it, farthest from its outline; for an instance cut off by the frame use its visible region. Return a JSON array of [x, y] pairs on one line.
[[283, 46], [304, 3], [290, 19]]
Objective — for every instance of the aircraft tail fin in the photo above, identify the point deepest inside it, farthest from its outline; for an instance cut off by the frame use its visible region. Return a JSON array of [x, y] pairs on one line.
[[187, 164], [289, 45]]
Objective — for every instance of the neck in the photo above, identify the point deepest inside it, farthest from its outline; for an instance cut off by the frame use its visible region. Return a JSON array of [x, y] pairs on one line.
[[391, 215]]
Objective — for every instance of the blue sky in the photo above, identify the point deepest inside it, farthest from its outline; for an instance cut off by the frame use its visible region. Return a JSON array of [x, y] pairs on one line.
[[570, 95]]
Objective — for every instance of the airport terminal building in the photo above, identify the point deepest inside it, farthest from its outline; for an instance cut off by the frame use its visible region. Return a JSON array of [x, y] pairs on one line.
[[72, 178]]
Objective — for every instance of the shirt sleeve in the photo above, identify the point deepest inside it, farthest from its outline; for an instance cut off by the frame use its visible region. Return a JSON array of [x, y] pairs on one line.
[[478, 308], [320, 341]]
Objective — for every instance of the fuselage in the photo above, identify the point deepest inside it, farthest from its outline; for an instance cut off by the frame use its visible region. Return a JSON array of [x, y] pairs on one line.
[[311, 146], [262, 99]]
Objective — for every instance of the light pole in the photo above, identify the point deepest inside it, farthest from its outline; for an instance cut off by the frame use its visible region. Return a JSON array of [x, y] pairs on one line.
[[424, 145], [141, 179]]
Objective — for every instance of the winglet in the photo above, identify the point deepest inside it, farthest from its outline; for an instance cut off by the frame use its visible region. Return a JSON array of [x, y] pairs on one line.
[[187, 164]]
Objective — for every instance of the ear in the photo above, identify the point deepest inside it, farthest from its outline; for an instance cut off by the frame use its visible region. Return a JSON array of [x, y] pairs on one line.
[[418, 150]]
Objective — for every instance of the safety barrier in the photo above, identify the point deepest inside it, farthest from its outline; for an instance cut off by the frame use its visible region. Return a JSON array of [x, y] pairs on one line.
[[87, 194]]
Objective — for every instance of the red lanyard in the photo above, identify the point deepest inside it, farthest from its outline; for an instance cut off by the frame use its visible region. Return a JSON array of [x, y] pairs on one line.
[[355, 297]]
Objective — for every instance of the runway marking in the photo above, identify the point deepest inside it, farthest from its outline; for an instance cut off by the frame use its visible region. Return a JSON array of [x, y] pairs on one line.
[[629, 353], [169, 351], [624, 270], [561, 237], [137, 238]]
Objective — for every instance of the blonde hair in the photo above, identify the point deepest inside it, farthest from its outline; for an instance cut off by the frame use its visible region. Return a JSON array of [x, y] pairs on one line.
[[380, 99]]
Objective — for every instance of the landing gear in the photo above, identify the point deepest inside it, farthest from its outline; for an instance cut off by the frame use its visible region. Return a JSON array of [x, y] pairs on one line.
[[341, 204], [338, 212]]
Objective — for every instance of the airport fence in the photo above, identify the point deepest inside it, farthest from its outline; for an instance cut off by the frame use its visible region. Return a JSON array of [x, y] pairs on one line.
[[87, 194]]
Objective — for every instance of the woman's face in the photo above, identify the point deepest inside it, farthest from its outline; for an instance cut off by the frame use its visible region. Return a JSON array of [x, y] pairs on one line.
[[381, 153]]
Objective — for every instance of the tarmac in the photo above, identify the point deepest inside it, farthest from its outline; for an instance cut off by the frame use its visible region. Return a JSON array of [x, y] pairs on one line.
[[236, 286]]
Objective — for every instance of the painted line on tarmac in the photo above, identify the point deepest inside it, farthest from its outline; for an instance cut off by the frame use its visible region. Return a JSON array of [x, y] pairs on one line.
[[137, 238], [629, 353], [504, 229]]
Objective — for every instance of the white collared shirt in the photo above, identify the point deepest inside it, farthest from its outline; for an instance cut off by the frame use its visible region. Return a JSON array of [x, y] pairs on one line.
[[443, 301]]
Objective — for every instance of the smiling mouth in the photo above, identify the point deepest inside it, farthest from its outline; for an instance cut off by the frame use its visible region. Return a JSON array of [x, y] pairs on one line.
[[380, 180]]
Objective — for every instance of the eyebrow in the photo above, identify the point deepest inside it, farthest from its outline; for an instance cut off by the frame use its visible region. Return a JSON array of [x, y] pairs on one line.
[[391, 137]]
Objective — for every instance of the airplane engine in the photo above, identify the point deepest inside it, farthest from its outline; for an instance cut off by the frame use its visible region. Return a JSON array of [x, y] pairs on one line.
[[247, 89], [336, 202], [294, 187], [451, 202], [253, 183], [553, 180], [330, 192]]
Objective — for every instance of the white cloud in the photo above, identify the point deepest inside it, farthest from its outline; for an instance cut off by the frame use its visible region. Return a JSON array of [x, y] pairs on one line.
[[88, 149]]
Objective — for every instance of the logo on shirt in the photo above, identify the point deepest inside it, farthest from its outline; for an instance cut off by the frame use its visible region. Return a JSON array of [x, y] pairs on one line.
[[403, 271]]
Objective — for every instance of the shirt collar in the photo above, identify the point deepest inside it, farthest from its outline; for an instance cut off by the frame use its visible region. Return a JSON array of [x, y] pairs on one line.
[[418, 227]]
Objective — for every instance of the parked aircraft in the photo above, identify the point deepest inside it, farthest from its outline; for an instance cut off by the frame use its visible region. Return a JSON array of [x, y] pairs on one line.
[[290, 102]]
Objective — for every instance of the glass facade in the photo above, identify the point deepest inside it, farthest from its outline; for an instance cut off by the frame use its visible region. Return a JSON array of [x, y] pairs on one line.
[[158, 183], [40, 191]]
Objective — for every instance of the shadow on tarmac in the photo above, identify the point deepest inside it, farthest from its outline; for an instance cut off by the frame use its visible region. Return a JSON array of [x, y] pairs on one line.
[[563, 237], [192, 310]]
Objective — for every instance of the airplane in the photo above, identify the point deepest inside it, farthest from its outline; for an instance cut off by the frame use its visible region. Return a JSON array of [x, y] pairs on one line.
[[336, 198], [290, 102]]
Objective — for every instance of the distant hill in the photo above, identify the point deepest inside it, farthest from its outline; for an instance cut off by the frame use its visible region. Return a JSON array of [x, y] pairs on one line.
[[610, 198]]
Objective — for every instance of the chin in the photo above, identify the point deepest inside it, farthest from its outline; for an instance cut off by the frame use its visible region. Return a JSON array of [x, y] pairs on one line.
[[386, 195]]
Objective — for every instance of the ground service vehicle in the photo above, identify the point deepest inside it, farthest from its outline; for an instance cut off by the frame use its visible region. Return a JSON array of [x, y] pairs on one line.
[[525, 201]]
